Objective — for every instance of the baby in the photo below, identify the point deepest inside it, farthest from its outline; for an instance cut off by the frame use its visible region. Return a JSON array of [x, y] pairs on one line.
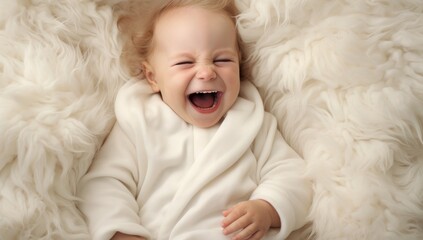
[[193, 154]]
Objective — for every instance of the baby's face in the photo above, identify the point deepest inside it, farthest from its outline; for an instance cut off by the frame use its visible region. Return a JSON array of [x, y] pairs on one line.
[[195, 64]]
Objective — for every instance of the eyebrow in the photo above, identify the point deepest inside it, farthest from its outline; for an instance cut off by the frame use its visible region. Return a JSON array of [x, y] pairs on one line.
[[226, 51], [219, 51], [181, 55]]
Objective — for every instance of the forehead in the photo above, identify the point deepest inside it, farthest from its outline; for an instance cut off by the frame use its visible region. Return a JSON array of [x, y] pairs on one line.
[[194, 26]]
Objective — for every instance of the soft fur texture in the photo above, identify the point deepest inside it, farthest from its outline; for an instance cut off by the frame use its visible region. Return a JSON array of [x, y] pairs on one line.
[[344, 78]]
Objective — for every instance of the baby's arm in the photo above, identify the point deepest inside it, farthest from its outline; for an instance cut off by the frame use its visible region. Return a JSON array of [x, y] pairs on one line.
[[282, 180], [122, 236], [108, 191], [251, 218]]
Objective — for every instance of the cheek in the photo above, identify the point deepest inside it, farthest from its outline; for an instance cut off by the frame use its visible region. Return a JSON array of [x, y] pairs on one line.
[[233, 69], [234, 82], [173, 89], [231, 75]]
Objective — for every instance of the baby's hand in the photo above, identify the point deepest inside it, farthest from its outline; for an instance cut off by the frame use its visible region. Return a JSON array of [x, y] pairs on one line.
[[122, 236], [251, 218]]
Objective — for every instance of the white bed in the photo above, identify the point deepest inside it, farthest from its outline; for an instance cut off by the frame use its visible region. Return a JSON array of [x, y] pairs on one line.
[[344, 78]]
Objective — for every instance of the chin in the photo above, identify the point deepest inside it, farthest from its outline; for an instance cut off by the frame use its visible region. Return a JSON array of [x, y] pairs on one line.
[[205, 124]]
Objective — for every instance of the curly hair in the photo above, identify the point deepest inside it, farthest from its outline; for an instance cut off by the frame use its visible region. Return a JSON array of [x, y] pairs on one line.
[[137, 23]]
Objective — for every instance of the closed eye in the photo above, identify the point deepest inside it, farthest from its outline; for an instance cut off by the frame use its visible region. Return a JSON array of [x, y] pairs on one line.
[[184, 63], [223, 60]]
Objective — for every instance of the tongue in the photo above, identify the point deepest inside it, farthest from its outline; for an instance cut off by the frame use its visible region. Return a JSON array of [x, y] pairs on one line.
[[202, 100]]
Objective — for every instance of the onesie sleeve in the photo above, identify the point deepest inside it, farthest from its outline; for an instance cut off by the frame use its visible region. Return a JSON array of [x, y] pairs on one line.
[[108, 191], [282, 181]]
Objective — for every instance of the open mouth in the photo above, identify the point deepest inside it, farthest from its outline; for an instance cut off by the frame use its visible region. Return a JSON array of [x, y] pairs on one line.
[[205, 99]]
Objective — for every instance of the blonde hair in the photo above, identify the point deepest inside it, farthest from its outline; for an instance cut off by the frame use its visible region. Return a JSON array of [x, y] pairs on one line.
[[139, 18]]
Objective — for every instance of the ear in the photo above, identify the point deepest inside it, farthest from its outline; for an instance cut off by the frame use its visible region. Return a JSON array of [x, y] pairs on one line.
[[150, 76]]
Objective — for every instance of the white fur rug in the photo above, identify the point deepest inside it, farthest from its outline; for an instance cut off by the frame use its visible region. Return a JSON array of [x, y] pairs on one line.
[[344, 78]]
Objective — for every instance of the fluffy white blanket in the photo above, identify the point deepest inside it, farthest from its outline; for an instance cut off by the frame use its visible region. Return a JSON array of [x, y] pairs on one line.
[[344, 78]]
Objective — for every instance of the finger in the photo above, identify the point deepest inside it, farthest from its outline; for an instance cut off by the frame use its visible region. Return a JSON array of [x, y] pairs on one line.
[[226, 212], [246, 233], [237, 225], [232, 216], [257, 236]]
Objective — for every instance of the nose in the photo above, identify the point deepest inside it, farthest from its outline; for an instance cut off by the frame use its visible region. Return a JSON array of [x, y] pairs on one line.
[[206, 72]]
